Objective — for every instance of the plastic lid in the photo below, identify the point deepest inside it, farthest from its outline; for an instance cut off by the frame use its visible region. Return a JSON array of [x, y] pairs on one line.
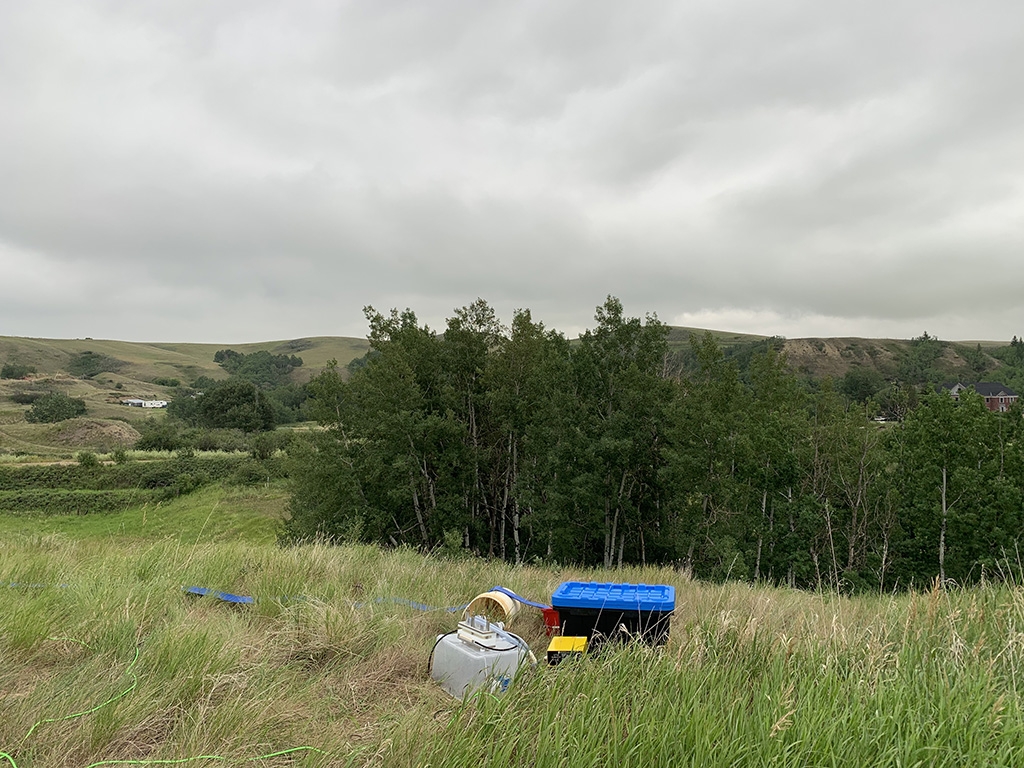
[[610, 596]]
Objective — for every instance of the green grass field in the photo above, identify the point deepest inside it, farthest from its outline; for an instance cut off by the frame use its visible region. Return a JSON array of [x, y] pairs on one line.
[[103, 658]]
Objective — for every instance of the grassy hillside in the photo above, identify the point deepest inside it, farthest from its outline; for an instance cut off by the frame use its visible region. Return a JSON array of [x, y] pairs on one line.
[[679, 336], [104, 658], [144, 362], [134, 370]]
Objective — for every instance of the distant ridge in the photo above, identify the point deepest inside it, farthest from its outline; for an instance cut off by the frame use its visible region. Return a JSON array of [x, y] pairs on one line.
[[146, 361]]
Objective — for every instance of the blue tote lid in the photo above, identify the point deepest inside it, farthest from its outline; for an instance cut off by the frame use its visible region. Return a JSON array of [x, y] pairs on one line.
[[611, 596]]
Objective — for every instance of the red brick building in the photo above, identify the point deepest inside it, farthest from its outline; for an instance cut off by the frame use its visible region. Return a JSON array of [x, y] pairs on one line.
[[997, 397]]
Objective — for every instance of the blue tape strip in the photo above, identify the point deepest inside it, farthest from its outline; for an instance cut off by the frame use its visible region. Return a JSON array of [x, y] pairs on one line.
[[230, 598], [227, 597], [516, 597]]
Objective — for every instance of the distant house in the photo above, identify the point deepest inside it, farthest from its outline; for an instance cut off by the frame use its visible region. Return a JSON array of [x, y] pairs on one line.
[[135, 402], [997, 396]]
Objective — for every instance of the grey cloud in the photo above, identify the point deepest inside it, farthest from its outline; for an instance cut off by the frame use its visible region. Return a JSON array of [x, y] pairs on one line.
[[271, 168]]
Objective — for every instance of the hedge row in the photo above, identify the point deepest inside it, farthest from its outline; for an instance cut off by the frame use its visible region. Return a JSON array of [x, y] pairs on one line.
[[163, 473], [63, 502]]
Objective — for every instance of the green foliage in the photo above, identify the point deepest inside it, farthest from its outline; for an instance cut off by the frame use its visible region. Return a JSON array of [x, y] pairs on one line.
[[16, 370], [158, 435], [740, 354], [325, 498], [52, 501], [87, 364], [264, 445], [54, 407], [235, 404], [163, 381], [260, 367], [87, 459], [203, 439], [230, 404], [202, 383], [173, 434], [286, 403], [861, 384], [977, 361], [26, 398], [89, 487], [184, 407], [1011, 372], [917, 367], [360, 362], [289, 403], [519, 445]]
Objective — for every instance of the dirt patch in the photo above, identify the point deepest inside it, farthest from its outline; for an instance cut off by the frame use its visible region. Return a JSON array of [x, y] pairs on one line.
[[93, 433]]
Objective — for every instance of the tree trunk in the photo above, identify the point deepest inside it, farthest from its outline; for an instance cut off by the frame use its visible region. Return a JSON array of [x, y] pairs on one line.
[[760, 534], [419, 511], [515, 507], [942, 532]]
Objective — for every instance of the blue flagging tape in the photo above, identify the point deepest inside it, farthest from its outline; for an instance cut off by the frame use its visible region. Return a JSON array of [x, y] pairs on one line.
[[230, 598], [227, 597], [517, 598]]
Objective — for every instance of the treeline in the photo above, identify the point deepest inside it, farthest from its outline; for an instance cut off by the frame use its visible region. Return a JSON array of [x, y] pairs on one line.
[[517, 443]]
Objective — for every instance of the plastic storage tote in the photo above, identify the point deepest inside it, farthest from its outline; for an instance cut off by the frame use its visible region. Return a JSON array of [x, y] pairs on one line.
[[607, 611]]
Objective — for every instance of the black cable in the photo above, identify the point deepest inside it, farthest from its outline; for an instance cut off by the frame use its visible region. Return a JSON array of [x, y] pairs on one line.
[[430, 658]]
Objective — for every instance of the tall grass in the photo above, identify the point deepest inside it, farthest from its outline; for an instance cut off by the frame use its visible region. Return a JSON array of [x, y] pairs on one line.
[[750, 676]]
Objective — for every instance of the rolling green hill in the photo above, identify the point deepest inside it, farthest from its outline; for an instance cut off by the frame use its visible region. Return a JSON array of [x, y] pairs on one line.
[[125, 369], [143, 362]]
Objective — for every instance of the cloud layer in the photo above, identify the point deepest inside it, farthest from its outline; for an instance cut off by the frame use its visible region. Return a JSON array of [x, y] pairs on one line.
[[238, 171]]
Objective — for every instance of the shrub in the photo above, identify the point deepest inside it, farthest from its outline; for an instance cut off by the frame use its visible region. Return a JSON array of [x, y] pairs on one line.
[[26, 398], [179, 473], [88, 364], [163, 381], [265, 444], [55, 407], [229, 440], [16, 371], [158, 436], [73, 502], [87, 459]]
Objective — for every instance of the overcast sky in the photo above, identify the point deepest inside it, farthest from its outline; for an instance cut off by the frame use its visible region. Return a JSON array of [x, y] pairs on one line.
[[239, 170]]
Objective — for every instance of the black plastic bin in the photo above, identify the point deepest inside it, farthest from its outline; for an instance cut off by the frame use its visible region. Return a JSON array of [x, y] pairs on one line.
[[609, 611]]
